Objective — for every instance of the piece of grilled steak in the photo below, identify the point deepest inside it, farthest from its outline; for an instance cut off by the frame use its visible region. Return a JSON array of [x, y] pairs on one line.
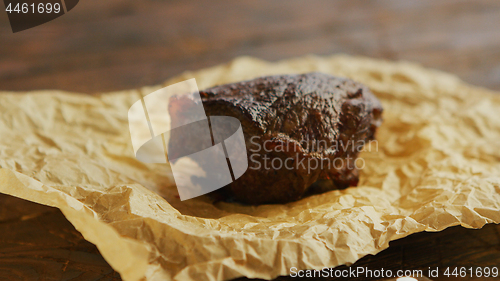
[[298, 129]]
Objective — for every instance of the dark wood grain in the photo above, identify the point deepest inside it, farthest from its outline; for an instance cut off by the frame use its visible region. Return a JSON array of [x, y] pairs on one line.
[[38, 243], [119, 44]]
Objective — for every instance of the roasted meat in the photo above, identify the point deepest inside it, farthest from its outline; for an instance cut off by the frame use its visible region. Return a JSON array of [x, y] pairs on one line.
[[298, 129]]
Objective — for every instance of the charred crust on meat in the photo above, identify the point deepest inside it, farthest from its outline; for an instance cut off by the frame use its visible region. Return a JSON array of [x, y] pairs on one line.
[[284, 116]]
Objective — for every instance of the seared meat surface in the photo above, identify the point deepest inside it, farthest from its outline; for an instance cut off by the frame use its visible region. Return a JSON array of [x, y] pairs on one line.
[[298, 129]]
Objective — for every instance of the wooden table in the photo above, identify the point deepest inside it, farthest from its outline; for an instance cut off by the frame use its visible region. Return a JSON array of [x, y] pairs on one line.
[[109, 45]]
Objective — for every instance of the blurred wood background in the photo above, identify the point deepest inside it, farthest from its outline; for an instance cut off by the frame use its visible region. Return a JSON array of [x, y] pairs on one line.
[[121, 44], [110, 45]]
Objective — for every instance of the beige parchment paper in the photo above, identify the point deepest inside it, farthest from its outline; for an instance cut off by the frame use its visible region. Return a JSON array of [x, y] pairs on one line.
[[437, 164]]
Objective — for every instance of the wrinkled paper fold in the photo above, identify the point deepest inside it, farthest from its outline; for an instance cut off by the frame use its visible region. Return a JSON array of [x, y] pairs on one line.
[[437, 164]]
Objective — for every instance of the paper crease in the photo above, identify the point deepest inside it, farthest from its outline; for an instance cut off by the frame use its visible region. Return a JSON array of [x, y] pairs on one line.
[[437, 165]]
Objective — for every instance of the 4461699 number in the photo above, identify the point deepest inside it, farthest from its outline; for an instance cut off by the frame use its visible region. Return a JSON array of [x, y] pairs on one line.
[[33, 8], [471, 272]]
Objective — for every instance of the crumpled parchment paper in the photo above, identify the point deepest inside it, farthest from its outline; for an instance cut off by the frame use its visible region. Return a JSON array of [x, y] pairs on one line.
[[437, 164]]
